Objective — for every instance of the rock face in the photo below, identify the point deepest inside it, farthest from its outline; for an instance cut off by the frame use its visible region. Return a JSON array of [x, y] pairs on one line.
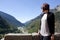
[[58, 8], [27, 37]]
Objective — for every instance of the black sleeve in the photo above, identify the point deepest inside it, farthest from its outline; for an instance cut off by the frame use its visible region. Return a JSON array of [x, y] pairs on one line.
[[53, 24]]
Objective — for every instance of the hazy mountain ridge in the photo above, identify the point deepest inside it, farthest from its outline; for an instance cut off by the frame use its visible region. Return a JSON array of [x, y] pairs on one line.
[[11, 20]]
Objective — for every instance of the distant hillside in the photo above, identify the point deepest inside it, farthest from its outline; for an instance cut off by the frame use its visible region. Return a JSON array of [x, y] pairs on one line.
[[8, 24], [5, 27], [11, 20], [34, 24]]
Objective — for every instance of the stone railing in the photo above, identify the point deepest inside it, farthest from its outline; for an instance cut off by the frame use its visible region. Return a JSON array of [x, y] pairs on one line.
[[33, 36]]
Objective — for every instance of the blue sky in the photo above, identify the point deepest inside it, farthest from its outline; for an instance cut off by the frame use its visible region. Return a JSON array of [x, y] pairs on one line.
[[25, 10]]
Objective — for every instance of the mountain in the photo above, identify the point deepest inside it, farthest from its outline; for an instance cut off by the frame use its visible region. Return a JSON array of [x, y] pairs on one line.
[[58, 8], [11, 20], [34, 24], [8, 24], [5, 27]]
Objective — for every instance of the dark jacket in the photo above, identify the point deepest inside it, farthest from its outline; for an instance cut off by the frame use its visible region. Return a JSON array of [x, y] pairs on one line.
[[50, 21]]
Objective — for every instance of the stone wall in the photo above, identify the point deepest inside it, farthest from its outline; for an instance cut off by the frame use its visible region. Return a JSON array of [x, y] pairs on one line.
[[33, 36]]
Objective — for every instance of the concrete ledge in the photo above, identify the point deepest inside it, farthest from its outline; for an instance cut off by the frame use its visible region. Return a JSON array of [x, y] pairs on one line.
[[18, 37], [33, 36], [57, 36]]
